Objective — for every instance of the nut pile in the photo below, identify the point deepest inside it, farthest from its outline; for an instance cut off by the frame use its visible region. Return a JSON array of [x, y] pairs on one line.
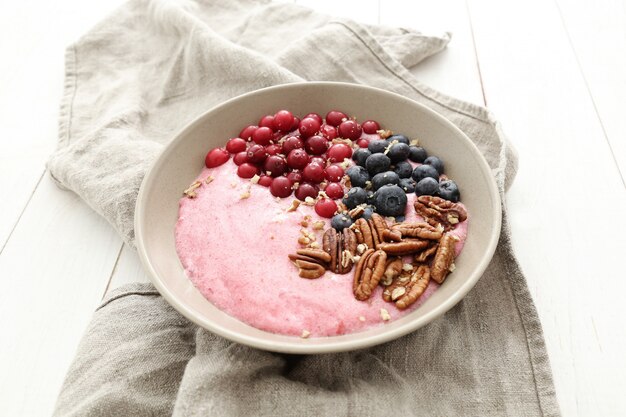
[[375, 250]]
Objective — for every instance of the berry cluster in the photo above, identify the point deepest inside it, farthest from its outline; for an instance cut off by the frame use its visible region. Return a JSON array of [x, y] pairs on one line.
[[303, 156], [309, 155], [384, 174]]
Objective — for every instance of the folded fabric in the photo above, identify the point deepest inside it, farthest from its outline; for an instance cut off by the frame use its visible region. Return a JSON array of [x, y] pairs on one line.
[[136, 79]]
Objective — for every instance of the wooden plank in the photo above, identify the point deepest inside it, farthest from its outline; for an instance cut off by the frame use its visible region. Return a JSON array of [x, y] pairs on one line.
[[532, 82], [127, 270], [454, 70], [55, 268], [32, 83], [597, 31]]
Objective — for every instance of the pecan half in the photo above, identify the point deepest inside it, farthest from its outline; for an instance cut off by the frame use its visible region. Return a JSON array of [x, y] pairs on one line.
[[436, 210], [392, 235], [346, 250], [340, 248], [427, 253], [380, 225], [330, 243], [420, 230], [443, 258], [309, 270], [414, 288], [375, 239], [364, 234], [295, 257], [369, 271], [405, 247], [360, 265], [316, 254], [349, 239]]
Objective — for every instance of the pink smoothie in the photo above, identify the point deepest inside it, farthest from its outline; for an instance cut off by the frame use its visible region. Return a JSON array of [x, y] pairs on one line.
[[235, 249]]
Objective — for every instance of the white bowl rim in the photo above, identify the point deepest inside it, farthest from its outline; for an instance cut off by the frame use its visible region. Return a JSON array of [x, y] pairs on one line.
[[335, 344]]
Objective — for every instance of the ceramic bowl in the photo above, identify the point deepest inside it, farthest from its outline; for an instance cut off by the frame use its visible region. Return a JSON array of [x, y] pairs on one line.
[[182, 160]]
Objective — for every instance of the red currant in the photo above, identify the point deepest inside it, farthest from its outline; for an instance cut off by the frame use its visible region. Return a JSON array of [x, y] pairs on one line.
[[335, 117], [247, 132], [314, 116], [240, 158], [313, 173], [263, 135], [316, 145], [295, 177], [334, 173], [338, 152], [273, 149], [265, 180], [320, 160], [281, 187], [257, 154], [296, 123], [247, 170], [325, 207], [362, 143], [334, 190], [236, 145], [309, 127], [297, 159], [267, 121], [283, 120], [350, 130], [328, 131], [291, 143], [306, 190], [370, 127], [275, 165], [216, 157]]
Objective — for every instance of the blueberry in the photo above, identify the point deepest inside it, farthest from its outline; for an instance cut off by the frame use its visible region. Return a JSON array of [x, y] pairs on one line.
[[390, 201], [417, 154], [448, 190], [435, 162], [408, 185], [354, 197], [378, 145], [360, 155], [367, 212], [398, 152], [358, 176], [340, 222], [400, 219], [399, 138], [384, 178], [377, 163], [427, 186], [371, 196], [404, 169], [425, 171]]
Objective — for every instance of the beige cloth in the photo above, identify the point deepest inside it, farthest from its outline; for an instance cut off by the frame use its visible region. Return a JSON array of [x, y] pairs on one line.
[[136, 79]]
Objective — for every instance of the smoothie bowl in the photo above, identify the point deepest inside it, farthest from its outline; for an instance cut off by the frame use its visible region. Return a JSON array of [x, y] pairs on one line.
[[317, 217]]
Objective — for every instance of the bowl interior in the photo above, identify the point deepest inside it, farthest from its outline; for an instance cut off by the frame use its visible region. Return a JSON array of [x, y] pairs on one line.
[[183, 158]]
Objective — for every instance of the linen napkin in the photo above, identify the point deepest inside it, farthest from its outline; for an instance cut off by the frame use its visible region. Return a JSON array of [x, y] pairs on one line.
[[131, 83]]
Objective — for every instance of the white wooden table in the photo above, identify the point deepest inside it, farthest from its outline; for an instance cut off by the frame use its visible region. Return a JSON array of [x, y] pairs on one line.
[[554, 72]]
